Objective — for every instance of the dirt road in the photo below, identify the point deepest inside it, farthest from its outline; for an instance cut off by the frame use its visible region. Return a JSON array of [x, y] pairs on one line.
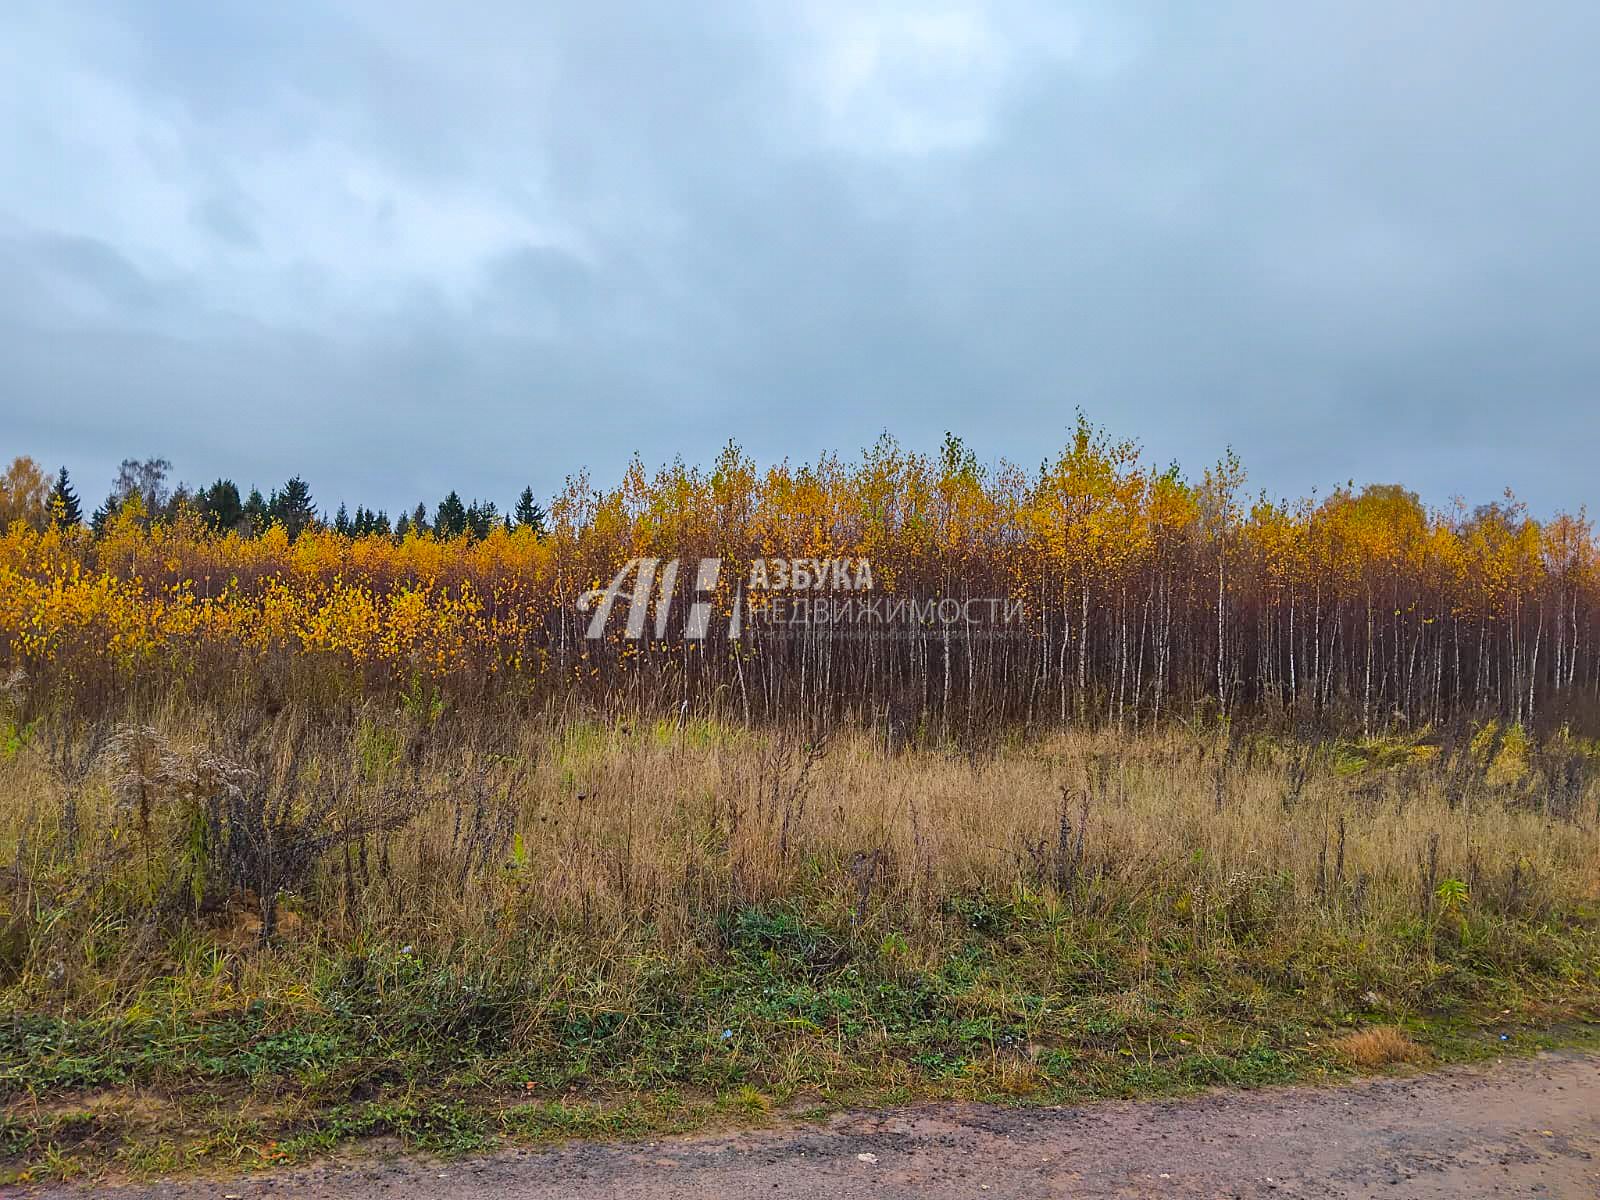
[[1520, 1128]]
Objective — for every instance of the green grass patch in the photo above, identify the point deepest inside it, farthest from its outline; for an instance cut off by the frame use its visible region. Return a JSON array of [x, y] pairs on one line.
[[456, 1053]]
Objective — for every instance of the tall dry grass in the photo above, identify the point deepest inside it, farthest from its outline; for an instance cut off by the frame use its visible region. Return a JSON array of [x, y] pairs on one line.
[[431, 831]]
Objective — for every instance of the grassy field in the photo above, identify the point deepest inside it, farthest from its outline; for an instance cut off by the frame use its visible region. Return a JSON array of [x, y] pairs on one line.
[[229, 944]]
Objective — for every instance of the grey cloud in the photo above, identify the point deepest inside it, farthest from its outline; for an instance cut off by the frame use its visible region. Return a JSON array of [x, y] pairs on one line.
[[223, 216], [401, 250], [78, 272]]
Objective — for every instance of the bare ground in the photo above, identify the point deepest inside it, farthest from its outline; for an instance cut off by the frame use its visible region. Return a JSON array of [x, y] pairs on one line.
[[1518, 1128]]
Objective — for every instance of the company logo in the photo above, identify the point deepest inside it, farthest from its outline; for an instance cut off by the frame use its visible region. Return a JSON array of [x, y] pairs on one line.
[[783, 596], [655, 586]]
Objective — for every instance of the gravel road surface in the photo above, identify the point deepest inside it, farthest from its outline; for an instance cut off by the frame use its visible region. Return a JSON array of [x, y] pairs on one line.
[[1527, 1127]]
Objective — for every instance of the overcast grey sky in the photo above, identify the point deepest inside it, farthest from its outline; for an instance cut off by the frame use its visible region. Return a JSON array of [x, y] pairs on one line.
[[401, 247]]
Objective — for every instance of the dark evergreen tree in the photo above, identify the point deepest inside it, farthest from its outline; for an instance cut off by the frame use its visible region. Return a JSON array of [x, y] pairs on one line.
[[450, 518], [402, 526], [256, 512], [102, 515], [366, 522], [481, 518], [341, 521], [219, 504], [419, 518], [529, 513], [64, 506], [292, 507]]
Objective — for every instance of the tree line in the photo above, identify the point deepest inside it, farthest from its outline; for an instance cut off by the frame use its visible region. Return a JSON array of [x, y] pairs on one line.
[[27, 494], [1138, 593]]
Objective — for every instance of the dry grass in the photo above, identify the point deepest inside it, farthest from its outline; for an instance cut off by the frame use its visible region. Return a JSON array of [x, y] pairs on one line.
[[469, 906], [1381, 1046], [612, 823], [603, 829]]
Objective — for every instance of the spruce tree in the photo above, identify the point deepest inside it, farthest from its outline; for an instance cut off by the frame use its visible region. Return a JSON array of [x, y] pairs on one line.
[[255, 511], [481, 518], [220, 505], [293, 507], [102, 515], [450, 518], [529, 514], [64, 506]]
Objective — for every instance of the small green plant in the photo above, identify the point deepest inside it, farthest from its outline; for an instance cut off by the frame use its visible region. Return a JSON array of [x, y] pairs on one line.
[[422, 702], [519, 854], [377, 750], [1451, 895], [14, 738]]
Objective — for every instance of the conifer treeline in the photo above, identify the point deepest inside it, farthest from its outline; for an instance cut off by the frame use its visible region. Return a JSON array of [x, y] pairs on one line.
[[25, 495], [1136, 595]]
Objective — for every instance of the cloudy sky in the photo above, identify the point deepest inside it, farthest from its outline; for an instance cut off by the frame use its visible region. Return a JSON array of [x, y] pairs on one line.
[[401, 247]]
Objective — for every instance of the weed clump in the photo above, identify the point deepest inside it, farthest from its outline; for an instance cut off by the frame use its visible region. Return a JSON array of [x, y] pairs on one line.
[[1380, 1046], [218, 830]]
